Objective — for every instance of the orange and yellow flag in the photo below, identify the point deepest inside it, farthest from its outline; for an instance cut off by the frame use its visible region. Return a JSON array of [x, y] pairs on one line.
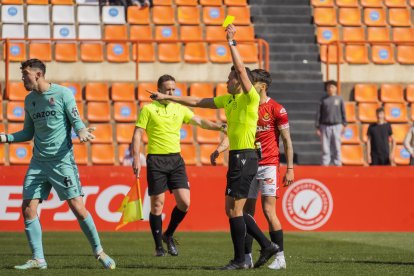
[[131, 207]]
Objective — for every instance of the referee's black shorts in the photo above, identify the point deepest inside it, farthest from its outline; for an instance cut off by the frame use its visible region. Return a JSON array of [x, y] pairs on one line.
[[166, 171], [243, 165]]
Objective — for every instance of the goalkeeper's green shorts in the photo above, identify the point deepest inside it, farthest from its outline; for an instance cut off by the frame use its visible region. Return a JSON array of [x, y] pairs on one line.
[[61, 174]]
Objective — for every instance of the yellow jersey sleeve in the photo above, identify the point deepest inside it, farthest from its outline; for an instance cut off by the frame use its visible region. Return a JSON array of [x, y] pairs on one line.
[[143, 118], [188, 114], [220, 100]]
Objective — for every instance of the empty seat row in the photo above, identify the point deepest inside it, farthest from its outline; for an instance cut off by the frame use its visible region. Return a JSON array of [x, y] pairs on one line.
[[192, 52], [354, 155], [155, 2], [392, 93], [397, 17], [363, 3], [356, 134], [366, 112]]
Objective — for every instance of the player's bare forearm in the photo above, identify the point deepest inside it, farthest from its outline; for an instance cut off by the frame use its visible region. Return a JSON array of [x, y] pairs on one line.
[[288, 146], [136, 142], [206, 124], [407, 142], [224, 145]]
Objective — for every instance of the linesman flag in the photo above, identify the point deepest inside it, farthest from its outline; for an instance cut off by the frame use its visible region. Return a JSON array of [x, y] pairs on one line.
[[131, 207]]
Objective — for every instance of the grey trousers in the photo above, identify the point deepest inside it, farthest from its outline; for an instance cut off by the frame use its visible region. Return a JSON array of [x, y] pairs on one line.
[[331, 144]]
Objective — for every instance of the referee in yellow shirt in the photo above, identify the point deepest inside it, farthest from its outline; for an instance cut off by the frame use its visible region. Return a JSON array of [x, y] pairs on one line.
[[162, 122], [241, 108]]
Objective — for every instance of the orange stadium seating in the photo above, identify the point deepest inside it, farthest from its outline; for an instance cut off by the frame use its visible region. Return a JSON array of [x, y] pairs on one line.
[[396, 3], [350, 112], [213, 15], [367, 93], [347, 3], [350, 17], [98, 112], [205, 152], [123, 91], [410, 93], [195, 52], [2, 154], [124, 132], [324, 16], [186, 2], [103, 133], [188, 15], [322, 3], [42, 51], [352, 155], [81, 153], [351, 134], [138, 16], [396, 112], [367, 112], [15, 111], [20, 154], [186, 134], [103, 154], [401, 155], [392, 93], [125, 112], [91, 52], [399, 131], [66, 52], [96, 91]]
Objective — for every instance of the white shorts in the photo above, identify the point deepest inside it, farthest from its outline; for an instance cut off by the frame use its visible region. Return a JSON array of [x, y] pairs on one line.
[[266, 180]]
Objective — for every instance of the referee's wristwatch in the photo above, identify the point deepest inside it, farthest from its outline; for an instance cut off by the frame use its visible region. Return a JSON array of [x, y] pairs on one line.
[[232, 42], [223, 128]]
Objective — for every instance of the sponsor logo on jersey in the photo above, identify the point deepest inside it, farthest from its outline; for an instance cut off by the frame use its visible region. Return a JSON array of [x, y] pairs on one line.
[[283, 111], [52, 101], [43, 114], [75, 112], [266, 117], [263, 128]]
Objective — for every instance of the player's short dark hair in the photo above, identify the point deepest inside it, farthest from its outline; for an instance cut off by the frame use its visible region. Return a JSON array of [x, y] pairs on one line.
[[163, 79], [330, 82], [379, 109], [249, 73], [260, 75], [34, 63]]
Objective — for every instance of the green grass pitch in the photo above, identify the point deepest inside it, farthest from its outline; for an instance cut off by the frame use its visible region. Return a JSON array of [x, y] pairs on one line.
[[200, 253]]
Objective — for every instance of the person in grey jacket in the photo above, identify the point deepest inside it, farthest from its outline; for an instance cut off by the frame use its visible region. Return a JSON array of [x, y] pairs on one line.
[[409, 144], [330, 124]]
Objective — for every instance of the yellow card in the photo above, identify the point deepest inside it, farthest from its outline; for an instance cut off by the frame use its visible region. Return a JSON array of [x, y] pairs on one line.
[[229, 20]]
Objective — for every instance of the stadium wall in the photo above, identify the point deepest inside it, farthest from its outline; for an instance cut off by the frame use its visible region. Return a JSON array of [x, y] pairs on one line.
[[321, 199]]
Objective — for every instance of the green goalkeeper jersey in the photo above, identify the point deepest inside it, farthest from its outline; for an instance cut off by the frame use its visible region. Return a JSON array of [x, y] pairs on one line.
[[49, 118]]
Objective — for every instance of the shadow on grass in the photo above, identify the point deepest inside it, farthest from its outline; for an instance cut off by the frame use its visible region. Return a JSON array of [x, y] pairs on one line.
[[362, 262]]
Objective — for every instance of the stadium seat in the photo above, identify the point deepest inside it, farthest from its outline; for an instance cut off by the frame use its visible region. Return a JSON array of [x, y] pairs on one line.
[[205, 136], [17, 52], [322, 3], [395, 112], [81, 110], [352, 155], [364, 132], [91, 52], [215, 33], [115, 32], [327, 34], [34, 2], [81, 153], [17, 92], [146, 52], [195, 52], [222, 115], [42, 51], [403, 34], [211, 2], [244, 33], [372, 3], [213, 15], [333, 54], [350, 112], [15, 111], [186, 134], [180, 89], [165, 33], [401, 155], [366, 93], [399, 131], [188, 152], [410, 93], [249, 52], [117, 52], [98, 112], [188, 33], [97, 92], [103, 154], [123, 149], [241, 14], [162, 2], [375, 17], [1, 117], [12, 14], [378, 34], [113, 15], [15, 127], [123, 92], [20, 154], [353, 34], [103, 134], [202, 90], [163, 15], [235, 2], [125, 112], [87, 14], [399, 17], [138, 16], [350, 134], [66, 52], [64, 31], [412, 112], [169, 52], [356, 54], [219, 53], [89, 32], [324, 16], [396, 3], [63, 14], [38, 14], [124, 132], [141, 32], [208, 114], [221, 89], [75, 88], [392, 93], [38, 31], [188, 15], [2, 154], [405, 54], [382, 54], [367, 112], [143, 95], [12, 31], [62, 2], [350, 16], [186, 2], [347, 3]]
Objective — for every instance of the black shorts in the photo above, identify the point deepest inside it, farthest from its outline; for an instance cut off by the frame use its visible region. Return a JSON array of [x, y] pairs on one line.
[[166, 171], [378, 160], [243, 165]]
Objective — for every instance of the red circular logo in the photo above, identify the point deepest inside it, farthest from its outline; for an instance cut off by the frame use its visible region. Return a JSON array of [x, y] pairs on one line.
[[307, 204]]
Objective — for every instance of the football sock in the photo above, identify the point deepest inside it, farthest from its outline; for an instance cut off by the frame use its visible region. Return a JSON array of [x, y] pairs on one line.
[[156, 229], [254, 231], [248, 243], [277, 238], [176, 217], [89, 229], [238, 233], [33, 231]]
